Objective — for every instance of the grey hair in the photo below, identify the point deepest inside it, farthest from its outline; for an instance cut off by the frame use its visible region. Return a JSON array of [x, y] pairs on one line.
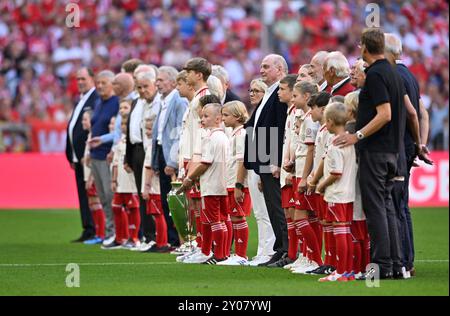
[[170, 71], [106, 73], [340, 64], [221, 73], [260, 83], [393, 44], [279, 60], [148, 75], [320, 56], [215, 86], [359, 64]]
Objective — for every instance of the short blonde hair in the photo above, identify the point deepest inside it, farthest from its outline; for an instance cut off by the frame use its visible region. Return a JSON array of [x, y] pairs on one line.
[[238, 110], [306, 87], [337, 113], [351, 101], [259, 83]]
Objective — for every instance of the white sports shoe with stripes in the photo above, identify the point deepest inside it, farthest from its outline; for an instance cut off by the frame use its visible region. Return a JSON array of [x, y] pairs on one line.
[[234, 260]]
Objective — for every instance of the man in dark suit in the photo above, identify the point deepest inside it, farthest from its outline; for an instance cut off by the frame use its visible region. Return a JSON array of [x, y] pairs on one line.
[[76, 143], [264, 143], [221, 73]]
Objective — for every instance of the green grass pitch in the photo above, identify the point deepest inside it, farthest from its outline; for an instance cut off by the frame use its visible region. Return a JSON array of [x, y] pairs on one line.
[[35, 248]]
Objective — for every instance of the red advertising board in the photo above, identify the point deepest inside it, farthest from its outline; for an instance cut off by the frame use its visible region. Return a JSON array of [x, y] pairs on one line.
[[41, 181], [48, 137]]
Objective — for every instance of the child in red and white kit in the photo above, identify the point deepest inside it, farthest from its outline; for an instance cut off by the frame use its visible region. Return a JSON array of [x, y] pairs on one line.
[[338, 186], [306, 223], [151, 192], [125, 202], [98, 215], [212, 172], [234, 115], [361, 240]]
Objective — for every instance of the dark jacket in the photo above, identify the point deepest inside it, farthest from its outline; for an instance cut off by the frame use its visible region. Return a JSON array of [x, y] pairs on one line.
[[79, 136], [231, 96], [273, 121]]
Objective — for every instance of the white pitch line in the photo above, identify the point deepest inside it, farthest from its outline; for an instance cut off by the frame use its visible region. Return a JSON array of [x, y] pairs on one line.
[[432, 260], [13, 265]]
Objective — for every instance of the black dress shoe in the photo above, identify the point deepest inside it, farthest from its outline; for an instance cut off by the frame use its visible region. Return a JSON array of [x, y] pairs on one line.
[[83, 238], [277, 256]]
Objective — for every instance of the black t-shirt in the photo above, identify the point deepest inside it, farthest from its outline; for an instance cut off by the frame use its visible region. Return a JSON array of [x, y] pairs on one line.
[[383, 85], [413, 91]]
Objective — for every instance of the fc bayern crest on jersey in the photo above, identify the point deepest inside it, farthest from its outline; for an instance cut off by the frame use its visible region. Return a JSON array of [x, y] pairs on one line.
[[308, 132]]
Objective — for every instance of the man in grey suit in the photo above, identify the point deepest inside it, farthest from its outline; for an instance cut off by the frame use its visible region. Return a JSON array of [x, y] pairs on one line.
[[166, 137]]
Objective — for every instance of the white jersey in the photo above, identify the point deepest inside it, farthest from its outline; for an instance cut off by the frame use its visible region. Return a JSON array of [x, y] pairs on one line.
[[214, 152], [290, 125], [193, 124], [340, 161], [125, 180], [154, 183], [184, 137], [236, 150], [307, 136]]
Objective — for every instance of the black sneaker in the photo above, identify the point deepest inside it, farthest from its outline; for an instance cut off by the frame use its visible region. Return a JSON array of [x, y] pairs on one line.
[[324, 269], [214, 260], [281, 263], [371, 273], [277, 256], [113, 245]]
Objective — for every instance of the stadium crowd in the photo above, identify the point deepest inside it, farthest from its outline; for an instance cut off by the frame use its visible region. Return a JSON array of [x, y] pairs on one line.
[[39, 53]]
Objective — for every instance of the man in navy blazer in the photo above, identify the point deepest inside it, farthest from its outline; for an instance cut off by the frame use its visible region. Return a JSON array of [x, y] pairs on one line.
[[263, 151], [166, 138], [76, 143]]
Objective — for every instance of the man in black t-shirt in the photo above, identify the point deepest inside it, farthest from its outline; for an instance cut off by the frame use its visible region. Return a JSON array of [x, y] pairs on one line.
[[380, 126]]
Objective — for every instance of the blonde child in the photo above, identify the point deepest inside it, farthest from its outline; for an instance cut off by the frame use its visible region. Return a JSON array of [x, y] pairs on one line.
[[338, 186], [234, 116]]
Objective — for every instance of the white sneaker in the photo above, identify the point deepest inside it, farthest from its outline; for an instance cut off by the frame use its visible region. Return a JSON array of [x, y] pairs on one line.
[[258, 260], [109, 240], [333, 277], [307, 265], [312, 266], [187, 255], [144, 247], [198, 258], [234, 260], [300, 262], [184, 248]]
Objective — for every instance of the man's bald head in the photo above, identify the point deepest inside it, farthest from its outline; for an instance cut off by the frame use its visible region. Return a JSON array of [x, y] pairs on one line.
[[123, 84], [317, 65], [273, 68]]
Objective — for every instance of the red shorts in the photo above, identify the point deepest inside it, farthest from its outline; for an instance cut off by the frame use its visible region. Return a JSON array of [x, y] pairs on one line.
[[92, 191], [129, 200], [214, 209], [339, 212], [287, 196], [313, 202], [194, 192], [301, 200], [154, 206], [239, 209], [321, 207], [359, 230]]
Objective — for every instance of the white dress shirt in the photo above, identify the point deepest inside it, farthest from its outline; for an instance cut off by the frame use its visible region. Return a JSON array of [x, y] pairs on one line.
[[74, 119], [162, 117], [337, 85], [266, 97], [135, 122], [323, 86]]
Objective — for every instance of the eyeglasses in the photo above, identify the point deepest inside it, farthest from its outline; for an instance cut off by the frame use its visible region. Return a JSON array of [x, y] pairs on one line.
[[255, 91]]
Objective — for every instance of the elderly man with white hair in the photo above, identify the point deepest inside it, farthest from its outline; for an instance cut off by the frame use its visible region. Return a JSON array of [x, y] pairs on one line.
[[103, 112], [317, 68], [221, 73], [145, 81], [357, 74], [263, 150], [416, 135], [336, 71]]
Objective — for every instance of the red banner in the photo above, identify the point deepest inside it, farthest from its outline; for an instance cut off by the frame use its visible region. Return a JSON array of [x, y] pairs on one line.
[[429, 184], [41, 181], [48, 137]]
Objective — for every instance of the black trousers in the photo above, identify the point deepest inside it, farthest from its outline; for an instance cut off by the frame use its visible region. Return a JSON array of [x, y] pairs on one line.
[[272, 197], [377, 171], [86, 217], [147, 229], [165, 183]]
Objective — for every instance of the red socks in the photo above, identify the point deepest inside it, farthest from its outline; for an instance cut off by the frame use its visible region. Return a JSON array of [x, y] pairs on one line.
[[121, 223], [161, 230], [310, 240], [218, 235], [240, 229], [228, 238], [330, 245], [98, 216], [206, 238], [199, 228], [344, 249], [134, 221], [292, 239], [317, 227]]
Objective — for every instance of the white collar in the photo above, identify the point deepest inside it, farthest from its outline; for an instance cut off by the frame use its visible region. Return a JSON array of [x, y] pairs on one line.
[[169, 97], [272, 88], [337, 85], [323, 86], [88, 94], [399, 62]]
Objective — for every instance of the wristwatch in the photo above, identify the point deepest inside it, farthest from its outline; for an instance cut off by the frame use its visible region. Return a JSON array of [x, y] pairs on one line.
[[360, 135], [239, 186]]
